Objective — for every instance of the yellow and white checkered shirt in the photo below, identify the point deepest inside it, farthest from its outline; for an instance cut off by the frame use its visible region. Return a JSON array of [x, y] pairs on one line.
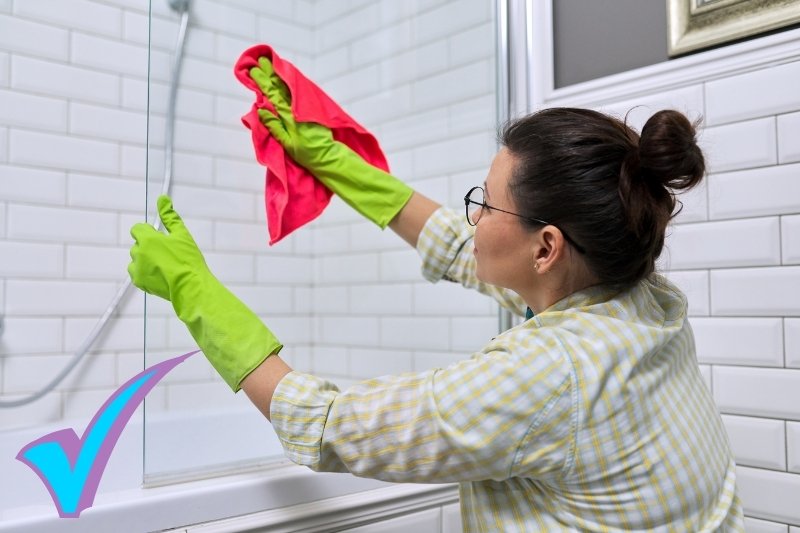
[[591, 416]]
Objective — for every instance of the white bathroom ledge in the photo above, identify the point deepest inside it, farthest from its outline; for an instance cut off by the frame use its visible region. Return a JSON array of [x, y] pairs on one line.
[[334, 514], [283, 495]]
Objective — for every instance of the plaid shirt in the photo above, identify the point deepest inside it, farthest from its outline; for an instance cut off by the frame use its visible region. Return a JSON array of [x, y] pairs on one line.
[[590, 416]]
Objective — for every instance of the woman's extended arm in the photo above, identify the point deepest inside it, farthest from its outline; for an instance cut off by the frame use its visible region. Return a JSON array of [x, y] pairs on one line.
[[411, 219], [260, 384], [471, 420]]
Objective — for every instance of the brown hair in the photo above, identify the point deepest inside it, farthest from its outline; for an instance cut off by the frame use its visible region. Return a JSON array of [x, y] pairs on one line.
[[602, 183]]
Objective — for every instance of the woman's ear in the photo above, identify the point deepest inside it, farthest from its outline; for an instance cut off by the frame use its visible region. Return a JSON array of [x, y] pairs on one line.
[[548, 248]]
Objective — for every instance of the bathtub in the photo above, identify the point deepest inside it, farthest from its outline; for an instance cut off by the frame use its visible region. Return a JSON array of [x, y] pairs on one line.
[[179, 488]]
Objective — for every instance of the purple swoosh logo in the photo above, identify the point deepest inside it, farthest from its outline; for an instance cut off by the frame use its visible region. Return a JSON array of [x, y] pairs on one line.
[[71, 467]]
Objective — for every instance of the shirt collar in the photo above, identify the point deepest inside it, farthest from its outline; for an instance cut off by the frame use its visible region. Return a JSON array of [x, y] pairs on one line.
[[582, 298]]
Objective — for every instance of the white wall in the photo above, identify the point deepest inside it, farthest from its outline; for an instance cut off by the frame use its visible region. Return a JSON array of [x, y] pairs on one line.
[[73, 129], [421, 76], [734, 250]]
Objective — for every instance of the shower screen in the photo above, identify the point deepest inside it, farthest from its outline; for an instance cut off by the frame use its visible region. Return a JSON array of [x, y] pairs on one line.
[[346, 299]]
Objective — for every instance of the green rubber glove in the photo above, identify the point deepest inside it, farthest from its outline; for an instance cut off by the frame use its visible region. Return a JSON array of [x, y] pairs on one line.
[[171, 266], [377, 195]]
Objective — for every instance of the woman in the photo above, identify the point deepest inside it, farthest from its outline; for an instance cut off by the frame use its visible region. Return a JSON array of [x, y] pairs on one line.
[[589, 416]]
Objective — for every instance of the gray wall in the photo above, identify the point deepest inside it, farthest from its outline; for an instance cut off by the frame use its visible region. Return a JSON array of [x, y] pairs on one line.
[[594, 39]]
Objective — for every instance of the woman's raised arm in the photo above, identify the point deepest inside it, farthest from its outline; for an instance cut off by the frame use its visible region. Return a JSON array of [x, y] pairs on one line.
[[411, 219]]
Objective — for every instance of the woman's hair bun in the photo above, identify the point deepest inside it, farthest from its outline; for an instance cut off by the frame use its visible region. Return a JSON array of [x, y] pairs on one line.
[[668, 151], [666, 159], [613, 190]]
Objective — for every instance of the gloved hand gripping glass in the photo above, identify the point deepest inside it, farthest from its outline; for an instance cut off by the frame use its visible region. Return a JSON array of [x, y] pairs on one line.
[[375, 194], [171, 266]]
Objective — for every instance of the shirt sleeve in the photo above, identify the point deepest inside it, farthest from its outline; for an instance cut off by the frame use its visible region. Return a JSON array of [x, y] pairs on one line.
[[488, 417], [446, 247]]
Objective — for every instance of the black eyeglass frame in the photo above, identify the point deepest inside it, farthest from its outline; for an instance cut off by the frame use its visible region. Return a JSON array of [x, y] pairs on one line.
[[468, 201]]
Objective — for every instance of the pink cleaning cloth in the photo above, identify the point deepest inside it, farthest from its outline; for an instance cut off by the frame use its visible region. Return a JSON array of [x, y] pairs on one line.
[[293, 196]]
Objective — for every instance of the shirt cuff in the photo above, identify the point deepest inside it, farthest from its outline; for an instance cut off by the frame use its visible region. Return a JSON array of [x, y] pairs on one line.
[[442, 237], [298, 411]]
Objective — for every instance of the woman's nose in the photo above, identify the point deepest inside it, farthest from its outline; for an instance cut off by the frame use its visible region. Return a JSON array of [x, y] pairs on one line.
[[475, 215]]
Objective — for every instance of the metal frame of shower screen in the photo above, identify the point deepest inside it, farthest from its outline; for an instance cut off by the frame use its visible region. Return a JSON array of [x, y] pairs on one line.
[[514, 54]]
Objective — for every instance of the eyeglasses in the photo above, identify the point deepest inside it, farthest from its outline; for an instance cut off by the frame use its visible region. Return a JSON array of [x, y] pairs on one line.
[[476, 196]]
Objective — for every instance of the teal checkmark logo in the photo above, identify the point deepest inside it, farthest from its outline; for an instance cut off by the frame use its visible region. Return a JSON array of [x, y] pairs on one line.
[[71, 467]]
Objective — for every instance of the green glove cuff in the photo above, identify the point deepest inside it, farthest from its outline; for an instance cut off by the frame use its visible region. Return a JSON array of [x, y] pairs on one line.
[[234, 340], [375, 194]]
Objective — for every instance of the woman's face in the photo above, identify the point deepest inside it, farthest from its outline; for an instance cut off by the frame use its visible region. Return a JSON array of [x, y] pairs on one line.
[[502, 246]]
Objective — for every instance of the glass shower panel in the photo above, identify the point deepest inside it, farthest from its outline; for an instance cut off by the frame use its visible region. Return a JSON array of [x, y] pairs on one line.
[[420, 75], [202, 156], [73, 92]]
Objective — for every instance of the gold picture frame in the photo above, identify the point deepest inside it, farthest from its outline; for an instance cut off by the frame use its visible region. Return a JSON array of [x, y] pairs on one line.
[[696, 24]]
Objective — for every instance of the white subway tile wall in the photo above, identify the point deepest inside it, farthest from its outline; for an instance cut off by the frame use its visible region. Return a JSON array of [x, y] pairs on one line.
[[30, 37], [793, 444], [791, 327], [788, 133], [74, 83], [73, 161], [754, 525], [769, 494], [720, 244], [739, 341], [741, 145], [773, 291], [3, 144], [695, 285], [731, 195], [26, 110], [758, 442], [760, 93], [4, 68], [767, 392], [83, 15], [790, 244]]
